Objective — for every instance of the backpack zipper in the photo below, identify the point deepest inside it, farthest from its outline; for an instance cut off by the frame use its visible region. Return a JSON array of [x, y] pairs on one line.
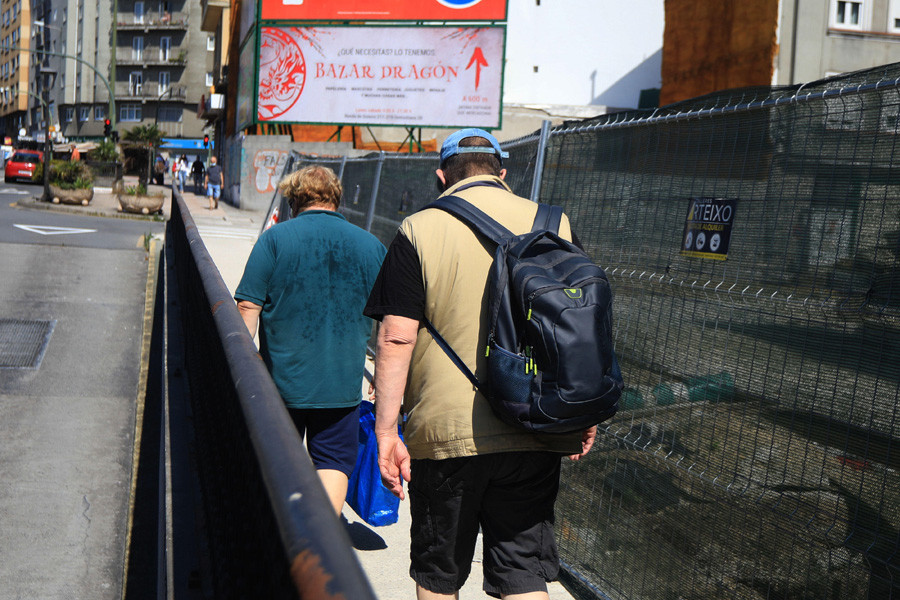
[[551, 288]]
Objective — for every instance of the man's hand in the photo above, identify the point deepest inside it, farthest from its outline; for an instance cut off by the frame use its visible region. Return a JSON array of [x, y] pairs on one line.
[[393, 462], [587, 441]]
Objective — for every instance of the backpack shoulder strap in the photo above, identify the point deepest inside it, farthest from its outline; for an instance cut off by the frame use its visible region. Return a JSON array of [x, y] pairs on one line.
[[473, 217], [451, 354], [547, 218]]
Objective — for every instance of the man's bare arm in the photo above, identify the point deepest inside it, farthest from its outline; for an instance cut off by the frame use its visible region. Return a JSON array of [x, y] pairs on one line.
[[393, 353], [250, 313]]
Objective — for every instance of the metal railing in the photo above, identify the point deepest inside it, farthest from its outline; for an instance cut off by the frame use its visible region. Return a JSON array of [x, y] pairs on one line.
[[271, 531], [755, 452]]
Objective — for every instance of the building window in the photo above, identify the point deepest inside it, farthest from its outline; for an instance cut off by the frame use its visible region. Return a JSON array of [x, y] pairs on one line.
[[169, 114], [210, 42], [164, 81], [136, 83], [84, 113], [68, 114], [137, 48], [848, 14], [209, 80], [130, 113], [139, 12], [99, 113], [165, 45]]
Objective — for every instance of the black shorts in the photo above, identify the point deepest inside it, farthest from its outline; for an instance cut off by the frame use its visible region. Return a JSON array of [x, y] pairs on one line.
[[332, 436], [510, 496]]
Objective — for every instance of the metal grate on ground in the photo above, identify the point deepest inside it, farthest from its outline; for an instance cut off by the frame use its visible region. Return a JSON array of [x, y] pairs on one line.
[[23, 342]]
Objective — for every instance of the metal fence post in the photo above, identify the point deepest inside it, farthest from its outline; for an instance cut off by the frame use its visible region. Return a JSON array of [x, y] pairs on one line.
[[539, 164], [370, 216], [343, 164]]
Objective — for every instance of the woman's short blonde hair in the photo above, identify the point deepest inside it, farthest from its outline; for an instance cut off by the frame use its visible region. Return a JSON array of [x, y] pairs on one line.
[[310, 186]]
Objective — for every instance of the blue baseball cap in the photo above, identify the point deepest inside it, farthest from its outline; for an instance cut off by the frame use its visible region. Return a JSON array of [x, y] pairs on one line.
[[451, 147]]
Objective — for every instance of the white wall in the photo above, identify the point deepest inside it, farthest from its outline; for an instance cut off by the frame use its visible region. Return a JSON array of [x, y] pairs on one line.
[[601, 52]]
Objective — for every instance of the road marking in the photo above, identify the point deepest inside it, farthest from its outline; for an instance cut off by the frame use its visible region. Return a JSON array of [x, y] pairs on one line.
[[7, 190], [51, 230], [228, 233]]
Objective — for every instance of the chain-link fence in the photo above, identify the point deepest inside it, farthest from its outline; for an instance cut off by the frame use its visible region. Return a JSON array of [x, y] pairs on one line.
[[754, 455]]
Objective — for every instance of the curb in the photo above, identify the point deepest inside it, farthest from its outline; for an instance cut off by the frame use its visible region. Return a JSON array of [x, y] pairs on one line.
[[37, 204]]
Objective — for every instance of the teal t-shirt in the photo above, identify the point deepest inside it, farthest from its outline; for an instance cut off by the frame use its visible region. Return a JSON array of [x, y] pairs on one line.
[[312, 275]]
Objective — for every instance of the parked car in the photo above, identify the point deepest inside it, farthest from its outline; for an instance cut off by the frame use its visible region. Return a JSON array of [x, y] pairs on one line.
[[21, 165]]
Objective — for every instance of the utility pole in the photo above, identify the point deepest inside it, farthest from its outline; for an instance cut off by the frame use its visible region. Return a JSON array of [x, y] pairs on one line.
[[43, 73], [112, 62]]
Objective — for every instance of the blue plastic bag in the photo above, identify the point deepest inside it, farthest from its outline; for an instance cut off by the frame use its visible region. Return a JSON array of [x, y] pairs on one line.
[[366, 495]]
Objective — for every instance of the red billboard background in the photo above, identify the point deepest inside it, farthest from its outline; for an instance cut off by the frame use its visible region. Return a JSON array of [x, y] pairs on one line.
[[384, 10]]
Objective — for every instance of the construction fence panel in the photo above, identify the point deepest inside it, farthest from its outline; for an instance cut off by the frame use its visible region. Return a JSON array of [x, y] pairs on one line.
[[754, 452]]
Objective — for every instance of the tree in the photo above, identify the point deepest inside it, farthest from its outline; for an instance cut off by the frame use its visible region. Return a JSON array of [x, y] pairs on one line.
[[147, 134], [104, 152], [139, 146]]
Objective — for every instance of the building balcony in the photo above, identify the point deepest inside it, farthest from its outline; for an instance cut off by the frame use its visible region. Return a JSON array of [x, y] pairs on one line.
[[154, 23], [212, 14], [211, 108], [152, 59], [150, 91]]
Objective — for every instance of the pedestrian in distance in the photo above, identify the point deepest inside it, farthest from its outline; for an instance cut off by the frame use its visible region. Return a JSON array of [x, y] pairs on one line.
[[183, 170], [466, 468], [213, 182], [159, 170], [197, 171], [305, 285]]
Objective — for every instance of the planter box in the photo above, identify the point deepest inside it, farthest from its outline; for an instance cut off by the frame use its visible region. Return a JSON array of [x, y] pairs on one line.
[[61, 196], [143, 204]]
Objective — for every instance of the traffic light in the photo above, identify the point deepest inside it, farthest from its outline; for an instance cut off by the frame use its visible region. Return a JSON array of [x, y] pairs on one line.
[[115, 136], [206, 141], [107, 128]]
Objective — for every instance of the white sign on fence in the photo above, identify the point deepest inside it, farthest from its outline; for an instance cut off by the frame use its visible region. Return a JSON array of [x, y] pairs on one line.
[[403, 76]]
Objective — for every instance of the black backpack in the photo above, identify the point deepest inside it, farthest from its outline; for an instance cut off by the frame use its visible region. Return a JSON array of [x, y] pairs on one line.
[[551, 365]]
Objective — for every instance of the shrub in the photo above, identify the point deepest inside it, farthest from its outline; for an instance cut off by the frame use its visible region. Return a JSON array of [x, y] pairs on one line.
[[70, 175], [136, 190]]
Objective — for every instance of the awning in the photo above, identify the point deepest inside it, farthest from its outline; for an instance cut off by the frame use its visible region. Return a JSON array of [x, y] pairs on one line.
[[184, 144]]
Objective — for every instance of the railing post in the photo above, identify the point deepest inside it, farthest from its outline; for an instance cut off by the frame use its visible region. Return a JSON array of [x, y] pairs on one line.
[[539, 164], [370, 216], [341, 171]]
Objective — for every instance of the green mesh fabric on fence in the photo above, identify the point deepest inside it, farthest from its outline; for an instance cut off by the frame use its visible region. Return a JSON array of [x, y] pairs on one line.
[[753, 455]]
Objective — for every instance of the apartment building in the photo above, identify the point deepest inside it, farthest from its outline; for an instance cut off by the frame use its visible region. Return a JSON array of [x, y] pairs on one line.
[[712, 45], [147, 60], [15, 25], [822, 38], [164, 65]]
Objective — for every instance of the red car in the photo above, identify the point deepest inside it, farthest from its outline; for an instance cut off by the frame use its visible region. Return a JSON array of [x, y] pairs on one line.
[[21, 164]]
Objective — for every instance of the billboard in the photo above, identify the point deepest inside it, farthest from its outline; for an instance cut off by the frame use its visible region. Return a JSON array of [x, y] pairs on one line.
[[384, 10], [400, 76]]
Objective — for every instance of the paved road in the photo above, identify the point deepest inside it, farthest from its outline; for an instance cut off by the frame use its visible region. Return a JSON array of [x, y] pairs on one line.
[[67, 426], [47, 228]]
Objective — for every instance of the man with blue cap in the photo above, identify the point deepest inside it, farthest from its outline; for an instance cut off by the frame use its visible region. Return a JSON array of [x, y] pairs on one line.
[[466, 468]]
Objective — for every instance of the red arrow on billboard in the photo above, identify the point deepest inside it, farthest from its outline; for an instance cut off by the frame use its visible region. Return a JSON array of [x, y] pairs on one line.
[[479, 61]]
